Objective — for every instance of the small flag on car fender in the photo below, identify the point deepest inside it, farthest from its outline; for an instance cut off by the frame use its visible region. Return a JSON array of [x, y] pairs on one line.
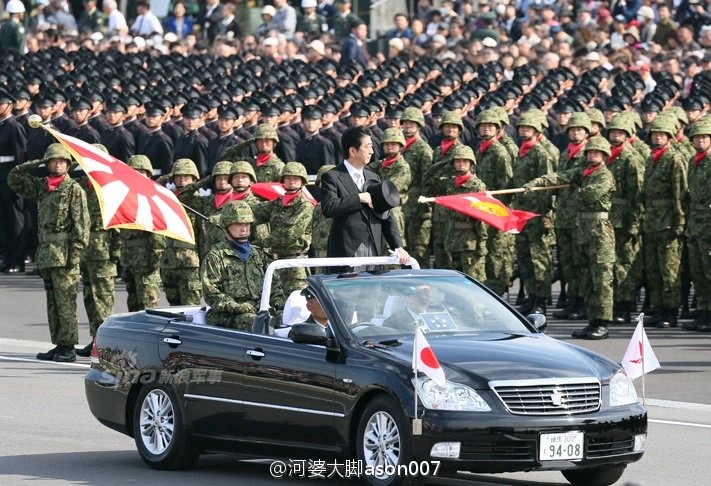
[[482, 206], [424, 359], [639, 357]]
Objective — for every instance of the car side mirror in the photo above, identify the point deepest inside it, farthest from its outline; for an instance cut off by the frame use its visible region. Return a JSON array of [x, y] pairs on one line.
[[538, 321], [308, 333]]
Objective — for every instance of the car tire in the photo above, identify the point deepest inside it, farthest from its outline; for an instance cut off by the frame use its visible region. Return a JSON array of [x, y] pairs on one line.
[[595, 476], [384, 438], [159, 429]]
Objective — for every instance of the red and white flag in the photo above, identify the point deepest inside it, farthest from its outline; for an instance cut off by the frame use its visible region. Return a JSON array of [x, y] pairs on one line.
[[274, 190], [639, 357], [424, 359], [127, 198], [482, 206]]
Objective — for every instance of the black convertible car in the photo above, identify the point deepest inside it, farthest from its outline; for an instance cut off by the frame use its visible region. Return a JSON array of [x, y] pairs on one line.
[[513, 400]]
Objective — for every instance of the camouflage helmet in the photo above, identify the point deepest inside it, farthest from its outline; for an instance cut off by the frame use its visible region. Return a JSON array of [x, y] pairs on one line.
[[296, 169], [243, 167], [664, 124], [487, 116], [503, 116], [635, 118], [598, 143], [100, 147], [596, 116], [700, 128], [579, 120], [462, 151], [57, 151], [236, 212], [140, 162], [622, 122], [223, 167], [414, 115], [266, 131], [322, 170], [679, 113], [451, 118], [530, 119], [393, 135], [185, 167]]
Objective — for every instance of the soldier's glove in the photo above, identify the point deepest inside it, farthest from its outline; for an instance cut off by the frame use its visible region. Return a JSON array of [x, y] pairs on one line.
[[204, 192], [171, 186], [245, 308], [528, 187]]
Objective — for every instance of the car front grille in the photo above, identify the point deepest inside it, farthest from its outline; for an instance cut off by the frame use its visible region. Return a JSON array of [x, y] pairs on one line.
[[498, 450], [549, 397], [609, 446]]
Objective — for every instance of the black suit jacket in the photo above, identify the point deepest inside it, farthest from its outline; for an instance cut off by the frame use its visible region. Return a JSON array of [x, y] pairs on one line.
[[353, 223]]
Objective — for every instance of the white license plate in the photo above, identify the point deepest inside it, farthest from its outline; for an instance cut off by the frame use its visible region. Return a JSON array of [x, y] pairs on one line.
[[565, 446]]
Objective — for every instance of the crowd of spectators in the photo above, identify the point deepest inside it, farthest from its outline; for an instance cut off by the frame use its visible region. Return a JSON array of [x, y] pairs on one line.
[[647, 35]]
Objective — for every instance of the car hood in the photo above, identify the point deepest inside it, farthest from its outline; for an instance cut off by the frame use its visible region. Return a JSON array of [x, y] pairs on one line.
[[478, 359]]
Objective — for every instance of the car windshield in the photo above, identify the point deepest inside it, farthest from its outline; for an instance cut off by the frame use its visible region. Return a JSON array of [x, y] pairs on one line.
[[377, 306]]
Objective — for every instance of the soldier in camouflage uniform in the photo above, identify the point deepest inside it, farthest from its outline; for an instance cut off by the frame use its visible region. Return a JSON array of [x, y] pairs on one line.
[[393, 167], [233, 272], [289, 219], [664, 191], [533, 244], [418, 154], [494, 168], [207, 196], [597, 121], [626, 212], [577, 130], [63, 223], [436, 178], [545, 141], [320, 225], [465, 237], [267, 166], [141, 253], [595, 237], [698, 229], [242, 177], [504, 138], [180, 266], [636, 142], [681, 142], [98, 265]]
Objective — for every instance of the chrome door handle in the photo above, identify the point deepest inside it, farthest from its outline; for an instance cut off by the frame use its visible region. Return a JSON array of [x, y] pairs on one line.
[[172, 341], [255, 354]]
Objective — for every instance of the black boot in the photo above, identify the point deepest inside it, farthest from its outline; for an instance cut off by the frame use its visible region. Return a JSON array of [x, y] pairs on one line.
[[49, 355], [521, 297], [527, 306], [652, 318], [565, 312], [668, 319], [694, 325], [85, 352], [539, 306], [600, 331], [66, 354], [562, 302], [646, 305], [583, 333], [687, 313], [704, 321], [580, 312], [622, 313]]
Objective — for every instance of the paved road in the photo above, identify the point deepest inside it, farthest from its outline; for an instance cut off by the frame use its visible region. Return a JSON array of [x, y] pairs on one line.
[[49, 436]]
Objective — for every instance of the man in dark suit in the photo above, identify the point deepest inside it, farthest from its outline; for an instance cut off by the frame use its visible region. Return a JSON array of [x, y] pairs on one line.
[[354, 45], [357, 230]]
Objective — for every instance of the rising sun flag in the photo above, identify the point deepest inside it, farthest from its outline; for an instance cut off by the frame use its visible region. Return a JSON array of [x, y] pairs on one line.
[[127, 198], [484, 207]]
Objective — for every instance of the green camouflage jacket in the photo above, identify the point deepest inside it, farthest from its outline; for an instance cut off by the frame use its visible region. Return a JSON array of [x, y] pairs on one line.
[[566, 205], [62, 216], [699, 220], [290, 226], [594, 191], [627, 209], [320, 231], [398, 173], [103, 244], [494, 168], [436, 178], [464, 233], [269, 171], [535, 163], [664, 192]]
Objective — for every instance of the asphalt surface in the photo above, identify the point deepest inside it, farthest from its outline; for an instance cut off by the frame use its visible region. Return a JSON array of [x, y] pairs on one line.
[[50, 437]]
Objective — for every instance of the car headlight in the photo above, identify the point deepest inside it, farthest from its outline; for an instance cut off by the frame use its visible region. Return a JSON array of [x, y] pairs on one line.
[[450, 396], [622, 390]]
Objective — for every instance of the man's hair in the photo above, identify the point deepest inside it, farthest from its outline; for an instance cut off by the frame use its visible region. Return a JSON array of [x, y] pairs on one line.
[[357, 23], [353, 138]]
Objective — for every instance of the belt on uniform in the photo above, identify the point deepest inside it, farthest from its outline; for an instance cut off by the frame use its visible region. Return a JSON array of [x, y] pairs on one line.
[[134, 242], [45, 238], [658, 202], [296, 255], [593, 215], [181, 244], [6, 158], [464, 225]]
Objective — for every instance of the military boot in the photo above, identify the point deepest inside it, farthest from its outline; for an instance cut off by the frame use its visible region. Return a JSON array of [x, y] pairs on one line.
[[521, 297], [651, 318], [704, 322], [668, 319], [566, 311], [49, 355], [583, 333], [527, 305], [622, 312], [85, 352], [563, 300], [66, 354], [580, 312], [600, 331], [694, 325], [539, 306], [687, 313]]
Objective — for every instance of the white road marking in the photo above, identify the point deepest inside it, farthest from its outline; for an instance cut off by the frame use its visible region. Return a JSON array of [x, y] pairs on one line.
[[37, 361], [685, 424], [655, 402]]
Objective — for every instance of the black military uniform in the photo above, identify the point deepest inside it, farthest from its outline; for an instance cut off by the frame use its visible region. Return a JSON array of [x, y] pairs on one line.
[[315, 150], [12, 150], [156, 145], [192, 145], [217, 146], [116, 138], [84, 131]]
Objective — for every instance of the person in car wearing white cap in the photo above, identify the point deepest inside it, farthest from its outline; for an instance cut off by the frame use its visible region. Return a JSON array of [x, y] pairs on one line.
[[12, 32]]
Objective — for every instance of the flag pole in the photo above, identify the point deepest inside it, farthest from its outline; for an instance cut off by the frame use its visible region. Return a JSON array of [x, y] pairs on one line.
[[425, 200], [644, 336], [416, 422]]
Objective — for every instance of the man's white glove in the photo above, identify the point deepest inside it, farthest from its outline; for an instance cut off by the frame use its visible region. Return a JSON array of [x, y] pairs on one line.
[[171, 186], [204, 192]]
